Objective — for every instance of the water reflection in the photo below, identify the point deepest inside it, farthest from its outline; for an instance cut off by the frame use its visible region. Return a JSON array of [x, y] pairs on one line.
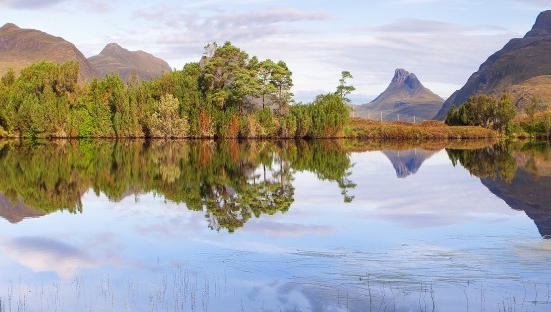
[[230, 181], [520, 174], [315, 226], [233, 182], [409, 161]]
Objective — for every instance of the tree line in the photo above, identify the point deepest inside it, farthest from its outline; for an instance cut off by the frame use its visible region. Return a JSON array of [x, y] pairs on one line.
[[501, 114], [488, 111], [227, 94]]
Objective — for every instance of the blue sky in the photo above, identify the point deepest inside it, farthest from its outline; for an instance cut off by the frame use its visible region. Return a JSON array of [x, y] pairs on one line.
[[442, 41]]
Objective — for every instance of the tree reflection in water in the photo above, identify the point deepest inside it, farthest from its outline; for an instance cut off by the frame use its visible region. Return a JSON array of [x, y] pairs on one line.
[[230, 181]]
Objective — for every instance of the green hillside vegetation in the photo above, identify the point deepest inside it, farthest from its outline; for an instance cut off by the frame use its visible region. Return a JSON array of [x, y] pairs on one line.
[[483, 110], [502, 115], [227, 95]]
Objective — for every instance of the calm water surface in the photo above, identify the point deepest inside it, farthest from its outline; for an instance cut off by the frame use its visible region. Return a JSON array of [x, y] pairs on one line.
[[263, 226]]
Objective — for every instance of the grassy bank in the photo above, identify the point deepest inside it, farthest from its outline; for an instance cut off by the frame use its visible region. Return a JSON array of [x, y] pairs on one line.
[[427, 130]]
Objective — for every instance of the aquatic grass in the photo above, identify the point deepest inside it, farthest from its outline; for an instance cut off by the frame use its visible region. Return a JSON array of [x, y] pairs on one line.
[[181, 289]]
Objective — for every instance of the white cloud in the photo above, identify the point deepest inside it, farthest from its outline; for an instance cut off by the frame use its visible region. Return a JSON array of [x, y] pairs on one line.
[[539, 3], [277, 229], [48, 255], [29, 4]]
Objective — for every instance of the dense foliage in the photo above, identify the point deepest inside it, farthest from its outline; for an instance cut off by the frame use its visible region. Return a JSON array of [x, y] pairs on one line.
[[227, 94], [484, 110]]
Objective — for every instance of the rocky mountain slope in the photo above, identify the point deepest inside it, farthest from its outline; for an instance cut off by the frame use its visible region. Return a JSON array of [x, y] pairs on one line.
[[516, 63], [22, 47], [403, 99], [115, 59]]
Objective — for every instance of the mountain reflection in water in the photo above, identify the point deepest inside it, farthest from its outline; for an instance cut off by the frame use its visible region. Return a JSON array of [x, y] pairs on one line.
[[260, 225], [522, 178], [409, 161]]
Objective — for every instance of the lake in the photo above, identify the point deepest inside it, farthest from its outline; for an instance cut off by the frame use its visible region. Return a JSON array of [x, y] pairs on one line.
[[274, 226]]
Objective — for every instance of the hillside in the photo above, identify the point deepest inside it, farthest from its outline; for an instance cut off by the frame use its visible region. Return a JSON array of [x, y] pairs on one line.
[[538, 87], [22, 47], [404, 98], [515, 64], [115, 59]]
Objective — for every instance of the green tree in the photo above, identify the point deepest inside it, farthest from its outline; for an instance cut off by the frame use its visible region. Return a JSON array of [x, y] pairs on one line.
[[222, 74], [330, 116], [98, 121], [266, 72], [165, 121], [344, 89], [535, 106], [283, 82], [504, 112], [483, 110]]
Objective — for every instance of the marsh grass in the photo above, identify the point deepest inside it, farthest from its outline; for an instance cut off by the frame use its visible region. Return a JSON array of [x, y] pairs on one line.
[[432, 130]]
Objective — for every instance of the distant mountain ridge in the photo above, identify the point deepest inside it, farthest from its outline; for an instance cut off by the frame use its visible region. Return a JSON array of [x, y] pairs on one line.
[[115, 59], [520, 60], [20, 48], [404, 98]]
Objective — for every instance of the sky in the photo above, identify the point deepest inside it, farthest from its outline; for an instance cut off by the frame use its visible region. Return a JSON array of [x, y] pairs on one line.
[[442, 41]]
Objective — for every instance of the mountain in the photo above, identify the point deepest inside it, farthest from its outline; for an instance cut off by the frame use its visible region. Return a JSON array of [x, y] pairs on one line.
[[407, 162], [516, 63], [20, 48], [404, 98], [115, 59]]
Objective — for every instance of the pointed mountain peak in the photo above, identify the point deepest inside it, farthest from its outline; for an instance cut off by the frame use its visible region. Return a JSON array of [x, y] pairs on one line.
[[402, 76], [9, 26], [405, 98], [542, 27]]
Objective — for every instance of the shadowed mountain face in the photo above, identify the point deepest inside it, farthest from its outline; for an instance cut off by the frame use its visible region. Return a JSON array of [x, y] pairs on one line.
[[115, 59], [527, 194], [521, 178], [404, 98], [20, 48], [520, 60], [407, 162]]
